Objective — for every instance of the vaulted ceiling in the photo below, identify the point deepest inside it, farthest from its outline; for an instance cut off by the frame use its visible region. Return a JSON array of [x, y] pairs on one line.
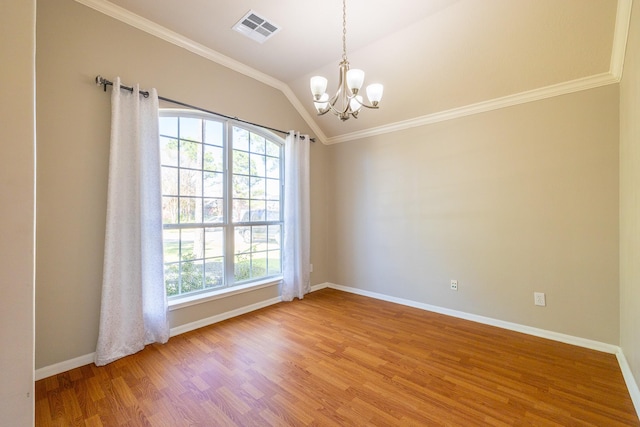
[[436, 58]]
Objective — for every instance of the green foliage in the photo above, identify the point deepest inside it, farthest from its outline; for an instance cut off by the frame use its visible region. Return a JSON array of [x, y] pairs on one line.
[[193, 182], [188, 276]]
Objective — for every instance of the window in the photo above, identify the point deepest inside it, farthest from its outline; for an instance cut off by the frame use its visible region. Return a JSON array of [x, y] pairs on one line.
[[221, 202]]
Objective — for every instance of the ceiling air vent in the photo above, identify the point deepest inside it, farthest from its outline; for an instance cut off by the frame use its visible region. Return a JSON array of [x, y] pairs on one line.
[[256, 27]]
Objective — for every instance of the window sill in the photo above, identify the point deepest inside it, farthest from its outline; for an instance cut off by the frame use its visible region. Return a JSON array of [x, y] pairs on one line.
[[190, 300]]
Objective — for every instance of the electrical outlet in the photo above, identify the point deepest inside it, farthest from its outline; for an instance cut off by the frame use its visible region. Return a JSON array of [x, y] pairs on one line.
[[539, 299], [454, 285]]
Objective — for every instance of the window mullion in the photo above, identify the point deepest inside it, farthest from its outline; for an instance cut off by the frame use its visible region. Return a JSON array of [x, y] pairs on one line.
[[200, 179], [228, 200]]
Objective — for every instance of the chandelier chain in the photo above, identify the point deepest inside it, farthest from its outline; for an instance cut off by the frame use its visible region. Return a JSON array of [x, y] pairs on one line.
[[347, 102], [344, 30]]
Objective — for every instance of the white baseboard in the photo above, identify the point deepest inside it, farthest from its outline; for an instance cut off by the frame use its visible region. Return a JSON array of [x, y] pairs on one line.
[[87, 359], [320, 286], [629, 379], [567, 339], [222, 316], [67, 365]]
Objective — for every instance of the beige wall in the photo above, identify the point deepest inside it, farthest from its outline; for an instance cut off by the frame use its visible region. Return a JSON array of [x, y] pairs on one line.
[[74, 44], [630, 198], [508, 202], [17, 171]]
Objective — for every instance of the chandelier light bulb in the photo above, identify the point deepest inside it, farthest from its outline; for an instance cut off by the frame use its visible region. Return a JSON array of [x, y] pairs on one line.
[[355, 103], [374, 93], [355, 79], [323, 103], [318, 86], [346, 102]]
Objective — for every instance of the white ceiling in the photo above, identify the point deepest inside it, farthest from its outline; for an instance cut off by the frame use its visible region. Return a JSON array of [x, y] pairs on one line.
[[433, 56]]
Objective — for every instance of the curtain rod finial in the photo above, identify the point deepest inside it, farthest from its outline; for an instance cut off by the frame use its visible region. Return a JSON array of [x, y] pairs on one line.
[[101, 81]]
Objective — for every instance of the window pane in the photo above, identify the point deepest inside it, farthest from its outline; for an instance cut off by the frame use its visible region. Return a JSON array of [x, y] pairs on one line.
[[240, 139], [273, 149], [273, 211], [190, 182], [213, 242], [168, 152], [274, 237], [242, 267], [168, 126], [272, 167], [191, 129], [190, 155], [258, 209], [258, 264], [274, 263], [169, 181], [242, 237], [273, 189], [171, 244], [214, 272], [257, 165], [190, 210], [259, 234], [240, 210], [240, 187], [187, 245], [172, 278], [258, 188], [213, 184], [169, 210], [213, 210], [191, 275], [194, 152], [257, 144], [240, 162], [213, 132], [213, 159]]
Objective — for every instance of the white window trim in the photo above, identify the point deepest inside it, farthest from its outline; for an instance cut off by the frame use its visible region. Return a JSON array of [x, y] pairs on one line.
[[179, 302]]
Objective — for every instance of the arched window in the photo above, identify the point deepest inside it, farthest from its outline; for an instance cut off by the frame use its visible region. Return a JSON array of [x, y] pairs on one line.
[[222, 202]]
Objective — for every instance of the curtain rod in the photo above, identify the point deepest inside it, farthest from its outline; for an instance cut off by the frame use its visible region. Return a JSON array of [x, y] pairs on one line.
[[101, 81]]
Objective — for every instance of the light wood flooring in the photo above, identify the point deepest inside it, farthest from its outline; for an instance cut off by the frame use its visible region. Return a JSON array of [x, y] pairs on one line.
[[340, 359]]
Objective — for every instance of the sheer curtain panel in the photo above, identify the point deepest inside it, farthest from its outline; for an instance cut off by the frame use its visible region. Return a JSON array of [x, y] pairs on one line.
[[134, 304], [297, 240]]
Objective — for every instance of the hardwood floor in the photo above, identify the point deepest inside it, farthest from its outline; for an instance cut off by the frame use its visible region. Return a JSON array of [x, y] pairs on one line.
[[340, 359]]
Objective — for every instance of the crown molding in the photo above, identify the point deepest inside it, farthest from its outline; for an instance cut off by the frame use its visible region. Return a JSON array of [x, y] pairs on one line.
[[623, 17], [482, 107], [621, 32], [150, 27], [163, 33]]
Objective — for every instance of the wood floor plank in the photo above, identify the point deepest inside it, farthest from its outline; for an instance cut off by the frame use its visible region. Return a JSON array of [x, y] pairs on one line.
[[340, 359]]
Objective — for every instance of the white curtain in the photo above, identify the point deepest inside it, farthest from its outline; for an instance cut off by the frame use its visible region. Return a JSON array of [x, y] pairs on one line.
[[134, 303], [297, 240]]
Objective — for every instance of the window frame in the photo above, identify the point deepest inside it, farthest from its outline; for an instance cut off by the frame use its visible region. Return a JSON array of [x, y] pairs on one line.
[[230, 285]]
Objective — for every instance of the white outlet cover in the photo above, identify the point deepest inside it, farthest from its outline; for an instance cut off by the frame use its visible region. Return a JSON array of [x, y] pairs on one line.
[[539, 299]]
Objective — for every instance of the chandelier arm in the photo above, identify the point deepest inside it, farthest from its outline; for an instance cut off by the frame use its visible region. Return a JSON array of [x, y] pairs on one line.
[[345, 94], [372, 107]]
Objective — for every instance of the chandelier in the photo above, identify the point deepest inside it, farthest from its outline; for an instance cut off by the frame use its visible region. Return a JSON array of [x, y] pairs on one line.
[[346, 102]]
